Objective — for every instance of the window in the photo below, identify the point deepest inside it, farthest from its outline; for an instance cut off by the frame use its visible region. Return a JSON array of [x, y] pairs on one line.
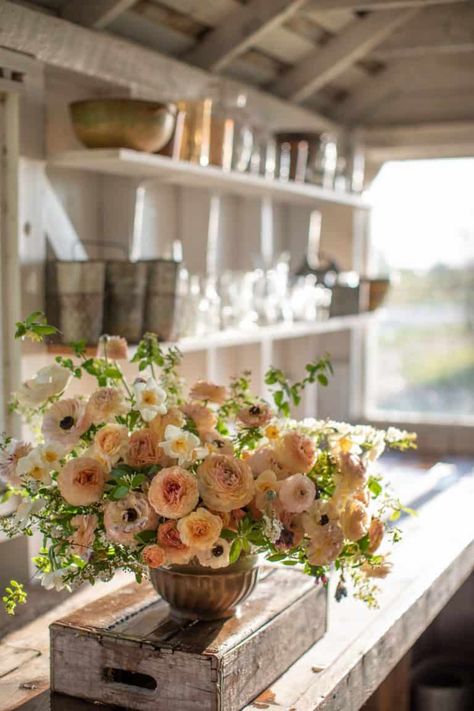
[[420, 361]]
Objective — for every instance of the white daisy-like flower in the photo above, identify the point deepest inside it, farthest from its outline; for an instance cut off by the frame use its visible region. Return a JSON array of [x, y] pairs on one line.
[[33, 466], [48, 381], [27, 508], [150, 399], [182, 445], [54, 580]]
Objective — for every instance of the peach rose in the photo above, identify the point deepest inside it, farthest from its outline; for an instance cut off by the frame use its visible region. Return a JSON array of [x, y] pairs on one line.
[[326, 544], [297, 493], [265, 459], [355, 520], [173, 492], [82, 481], [376, 533], [169, 539], [83, 537], [296, 452], [353, 472], [200, 529], [158, 425], [144, 450], [257, 415], [111, 442], [204, 418], [125, 518], [225, 483], [209, 392], [105, 404], [153, 556]]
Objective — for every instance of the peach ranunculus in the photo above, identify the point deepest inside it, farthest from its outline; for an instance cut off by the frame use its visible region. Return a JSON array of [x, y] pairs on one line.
[[113, 347], [355, 520], [200, 529], [170, 540], [208, 392], [153, 556], [158, 425], [225, 483], [204, 418], [82, 539], [217, 556], [264, 459], [296, 452], [173, 492], [258, 414], [144, 450], [326, 544], [82, 481], [297, 493], [65, 421], [376, 533], [111, 442], [105, 404], [127, 517]]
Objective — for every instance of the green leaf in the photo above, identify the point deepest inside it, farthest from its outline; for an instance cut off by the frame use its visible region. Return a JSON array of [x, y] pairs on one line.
[[235, 550], [146, 536], [120, 492], [374, 486], [228, 535], [276, 557]]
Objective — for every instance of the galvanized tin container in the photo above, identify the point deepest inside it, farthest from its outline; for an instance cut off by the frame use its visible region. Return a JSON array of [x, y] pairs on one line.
[[125, 291], [160, 305]]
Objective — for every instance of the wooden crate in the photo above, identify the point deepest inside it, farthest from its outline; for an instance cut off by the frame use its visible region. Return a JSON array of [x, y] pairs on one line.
[[124, 649]]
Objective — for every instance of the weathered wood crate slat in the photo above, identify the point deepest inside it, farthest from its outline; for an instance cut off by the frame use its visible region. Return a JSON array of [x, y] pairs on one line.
[[124, 649]]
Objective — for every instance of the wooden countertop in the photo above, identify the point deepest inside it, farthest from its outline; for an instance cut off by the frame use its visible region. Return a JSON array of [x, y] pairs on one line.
[[361, 646]]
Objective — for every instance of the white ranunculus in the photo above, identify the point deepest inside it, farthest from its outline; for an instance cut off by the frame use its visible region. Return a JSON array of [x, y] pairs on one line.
[[48, 382], [150, 399], [183, 446]]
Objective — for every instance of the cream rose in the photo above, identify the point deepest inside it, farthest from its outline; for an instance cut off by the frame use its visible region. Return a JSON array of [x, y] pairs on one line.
[[105, 404], [169, 539], [111, 442], [82, 539], [153, 556], [296, 452], [265, 459], [125, 518], [200, 529], [173, 492], [225, 483], [355, 520], [297, 493], [82, 481], [326, 544], [209, 392]]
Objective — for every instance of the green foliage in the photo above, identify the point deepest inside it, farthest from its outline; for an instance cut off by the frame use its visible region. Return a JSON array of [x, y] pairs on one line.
[[14, 595], [286, 394], [35, 327]]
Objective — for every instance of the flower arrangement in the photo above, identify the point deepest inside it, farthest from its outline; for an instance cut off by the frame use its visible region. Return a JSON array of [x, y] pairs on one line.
[[140, 475]]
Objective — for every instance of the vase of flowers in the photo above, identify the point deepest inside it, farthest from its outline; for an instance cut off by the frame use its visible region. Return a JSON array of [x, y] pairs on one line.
[[190, 486]]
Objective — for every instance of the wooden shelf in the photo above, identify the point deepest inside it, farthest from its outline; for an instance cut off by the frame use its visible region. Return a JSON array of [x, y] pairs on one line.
[[125, 162], [236, 337]]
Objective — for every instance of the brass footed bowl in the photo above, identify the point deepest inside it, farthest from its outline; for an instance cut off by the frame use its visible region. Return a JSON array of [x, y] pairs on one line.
[[123, 123], [198, 593]]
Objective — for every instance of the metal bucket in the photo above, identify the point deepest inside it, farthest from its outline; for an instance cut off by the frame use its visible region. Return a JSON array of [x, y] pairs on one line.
[[75, 298], [160, 305], [125, 290]]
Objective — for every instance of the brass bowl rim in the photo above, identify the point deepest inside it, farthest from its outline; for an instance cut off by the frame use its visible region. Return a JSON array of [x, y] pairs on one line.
[[244, 564], [169, 105]]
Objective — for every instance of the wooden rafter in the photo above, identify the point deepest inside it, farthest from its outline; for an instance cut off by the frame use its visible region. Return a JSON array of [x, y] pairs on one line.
[[95, 13], [327, 5], [448, 139], [239, 31], [342, 51]]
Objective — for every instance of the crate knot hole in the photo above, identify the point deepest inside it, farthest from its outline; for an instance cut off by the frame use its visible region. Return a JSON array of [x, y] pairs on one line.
[[130, 678]]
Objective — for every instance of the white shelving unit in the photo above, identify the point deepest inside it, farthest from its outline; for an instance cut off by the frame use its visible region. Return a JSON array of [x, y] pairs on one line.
[[134, 164]]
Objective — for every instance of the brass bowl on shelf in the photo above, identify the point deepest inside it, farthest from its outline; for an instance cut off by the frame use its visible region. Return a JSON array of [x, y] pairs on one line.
[[123, 123]]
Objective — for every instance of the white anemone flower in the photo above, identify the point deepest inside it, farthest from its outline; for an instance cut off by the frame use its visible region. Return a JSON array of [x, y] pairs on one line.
[[54, 580], [182, 445], [48, 382], [150, 399], [27, 508]]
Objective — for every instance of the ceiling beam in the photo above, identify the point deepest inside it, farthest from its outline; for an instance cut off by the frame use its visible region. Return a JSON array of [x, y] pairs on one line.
[[439, 140], [95, 13], [323, 65], [327, 5], [240, 30]]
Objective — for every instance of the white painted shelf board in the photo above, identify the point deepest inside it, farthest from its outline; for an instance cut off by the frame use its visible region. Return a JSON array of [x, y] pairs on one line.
[[260, 334], [125, 162]]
